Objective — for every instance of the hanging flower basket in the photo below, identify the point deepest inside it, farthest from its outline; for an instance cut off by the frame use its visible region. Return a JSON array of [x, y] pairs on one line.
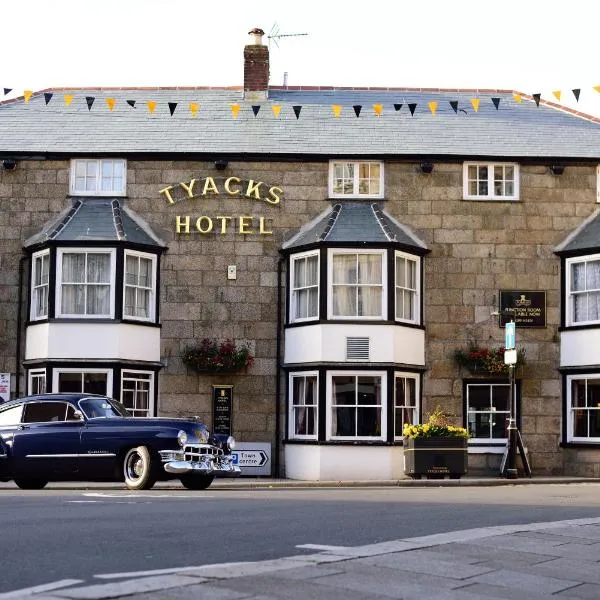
[[490, 361], [211, 356]]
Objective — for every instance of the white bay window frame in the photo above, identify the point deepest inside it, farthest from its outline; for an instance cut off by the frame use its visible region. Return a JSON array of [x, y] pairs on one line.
[[583, 413], [408, 287], [98, 177], [36, 381], [406, 401], [87, 286], [356, 407], [583, 295], [304, 291], [356, 179], [137, 392], [496, 181], [303, 404], [40, 285], [358, 288], [81, 375], [142, 293]]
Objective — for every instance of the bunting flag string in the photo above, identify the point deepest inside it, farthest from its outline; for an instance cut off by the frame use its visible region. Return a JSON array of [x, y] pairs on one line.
[[337, 109]]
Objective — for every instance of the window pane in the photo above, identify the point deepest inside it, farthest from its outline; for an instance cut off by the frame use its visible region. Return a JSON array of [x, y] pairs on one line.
[[344, 268], [344, 390]]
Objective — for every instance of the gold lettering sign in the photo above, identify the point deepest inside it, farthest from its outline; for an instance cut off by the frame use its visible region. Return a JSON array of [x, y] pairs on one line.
[[199, 188]]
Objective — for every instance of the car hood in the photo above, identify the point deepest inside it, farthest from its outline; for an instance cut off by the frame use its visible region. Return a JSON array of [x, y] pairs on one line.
[[151, 423]]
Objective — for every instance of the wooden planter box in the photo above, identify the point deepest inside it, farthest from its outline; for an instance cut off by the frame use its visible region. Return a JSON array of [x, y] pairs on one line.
[[435, 458]]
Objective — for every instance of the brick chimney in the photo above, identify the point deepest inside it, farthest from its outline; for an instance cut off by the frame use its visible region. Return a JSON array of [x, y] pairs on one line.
[[256, 67]]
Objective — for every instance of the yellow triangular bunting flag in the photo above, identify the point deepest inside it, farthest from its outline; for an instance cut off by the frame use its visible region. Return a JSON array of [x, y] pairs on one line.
[[194, 106], [276, 108], [68, 99], [27, 95], [475, 104], [151, 105], [337, 110], [235, 110], [110, 102], [597, 88], [378, 108], [518, 98], [557, 95], [432, 107]]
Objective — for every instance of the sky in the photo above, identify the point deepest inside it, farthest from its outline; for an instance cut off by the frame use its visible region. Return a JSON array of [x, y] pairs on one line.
[[531, 46]]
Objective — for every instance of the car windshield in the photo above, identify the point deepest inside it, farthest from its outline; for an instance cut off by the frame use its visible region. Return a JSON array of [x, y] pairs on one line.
[[102, 408]]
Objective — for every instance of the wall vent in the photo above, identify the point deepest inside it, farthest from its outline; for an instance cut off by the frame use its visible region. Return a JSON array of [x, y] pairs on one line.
[[358, 348]]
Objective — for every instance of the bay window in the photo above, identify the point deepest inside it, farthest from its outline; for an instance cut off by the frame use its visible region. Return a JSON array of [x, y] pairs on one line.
[[407, 288], [583, 407], [405, 402], [583, 289], [356, 406], [357, 289], [304, 287], [88, 381], [303, 405], [40, 272], [85, 283], [139, 286], [137, 391]]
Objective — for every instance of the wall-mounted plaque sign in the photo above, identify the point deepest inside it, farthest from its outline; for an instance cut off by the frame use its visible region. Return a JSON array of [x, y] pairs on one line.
[[527, 308], [222, 409]]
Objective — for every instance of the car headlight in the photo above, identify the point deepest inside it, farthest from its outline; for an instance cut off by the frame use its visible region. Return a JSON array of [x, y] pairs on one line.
[[231, 443], [182, 438]]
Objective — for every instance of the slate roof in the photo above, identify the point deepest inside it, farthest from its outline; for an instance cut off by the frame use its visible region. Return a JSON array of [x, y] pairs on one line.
[[514, 130], [585, 238], [355, 223], [96, 219]]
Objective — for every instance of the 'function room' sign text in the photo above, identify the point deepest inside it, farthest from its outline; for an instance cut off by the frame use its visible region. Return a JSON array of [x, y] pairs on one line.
[[526, 308]]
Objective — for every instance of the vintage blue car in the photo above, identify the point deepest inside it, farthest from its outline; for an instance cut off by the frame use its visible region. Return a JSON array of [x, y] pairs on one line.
[[87, 437]]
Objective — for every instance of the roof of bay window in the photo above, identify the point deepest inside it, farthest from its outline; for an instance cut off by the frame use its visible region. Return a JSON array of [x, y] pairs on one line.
[[585, 238], [356, 223], [96, 220]]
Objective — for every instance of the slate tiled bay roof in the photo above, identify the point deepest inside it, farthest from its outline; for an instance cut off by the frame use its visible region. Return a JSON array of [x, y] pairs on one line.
[[514, 130], [96, 220], [355, 223], [584, 239]]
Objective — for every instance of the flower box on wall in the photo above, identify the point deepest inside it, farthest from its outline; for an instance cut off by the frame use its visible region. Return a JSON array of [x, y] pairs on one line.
[[435, 457], [486, 361], [211, 356]]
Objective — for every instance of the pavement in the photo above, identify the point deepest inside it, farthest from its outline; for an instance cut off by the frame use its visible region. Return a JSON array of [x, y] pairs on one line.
[[558, 559]]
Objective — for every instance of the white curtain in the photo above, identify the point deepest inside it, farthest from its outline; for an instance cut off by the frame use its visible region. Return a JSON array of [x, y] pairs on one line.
[[357, 285], [86, 284], [586, 276]]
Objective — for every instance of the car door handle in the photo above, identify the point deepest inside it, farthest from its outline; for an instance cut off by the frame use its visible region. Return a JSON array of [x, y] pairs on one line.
[[23, 427]]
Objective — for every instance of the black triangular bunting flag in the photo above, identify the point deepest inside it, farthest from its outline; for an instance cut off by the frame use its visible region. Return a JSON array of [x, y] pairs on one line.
[[454, 105], [297, 110], [412, 106], [172, 107], [357, 108], [7, 91], [397, 107], [255, 109], [496, 102], [90, 101], [131, 103], [48, 97], [576, 93], [537, 98]]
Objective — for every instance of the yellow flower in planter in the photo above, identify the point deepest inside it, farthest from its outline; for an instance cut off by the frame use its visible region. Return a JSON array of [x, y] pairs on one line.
[[436, 426]]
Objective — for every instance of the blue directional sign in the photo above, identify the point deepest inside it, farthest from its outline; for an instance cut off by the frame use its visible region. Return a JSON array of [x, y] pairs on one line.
[[509, 335]]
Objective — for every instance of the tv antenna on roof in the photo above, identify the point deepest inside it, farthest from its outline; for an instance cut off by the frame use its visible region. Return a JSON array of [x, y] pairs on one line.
[[275, 35]]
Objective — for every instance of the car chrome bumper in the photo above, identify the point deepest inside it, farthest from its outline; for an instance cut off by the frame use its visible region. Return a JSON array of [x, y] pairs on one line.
[[181, 463]]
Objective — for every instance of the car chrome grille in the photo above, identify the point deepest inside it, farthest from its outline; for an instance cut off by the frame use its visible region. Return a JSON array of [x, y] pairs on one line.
[[196, 452]]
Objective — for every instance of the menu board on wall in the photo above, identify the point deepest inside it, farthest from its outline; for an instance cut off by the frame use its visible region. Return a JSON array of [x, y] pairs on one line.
[[526, 307], [4, 387], [222, 409]]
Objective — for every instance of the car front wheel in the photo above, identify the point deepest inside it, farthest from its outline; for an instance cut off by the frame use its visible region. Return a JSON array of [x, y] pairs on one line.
[[31, 484], [196, 482], [138, 469]]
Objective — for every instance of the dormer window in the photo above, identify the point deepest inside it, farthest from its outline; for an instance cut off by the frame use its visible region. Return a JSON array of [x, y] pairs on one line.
[[98, 177], [490, 181], [355, 179]]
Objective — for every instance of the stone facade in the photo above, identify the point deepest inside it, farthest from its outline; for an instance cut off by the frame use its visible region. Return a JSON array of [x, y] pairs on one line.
[[477, 249]]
